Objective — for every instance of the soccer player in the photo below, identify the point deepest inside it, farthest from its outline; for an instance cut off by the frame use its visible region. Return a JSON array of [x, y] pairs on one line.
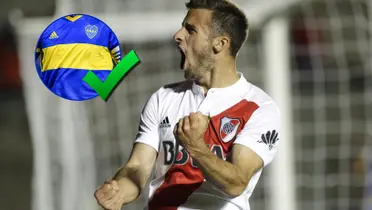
[[209, 136]]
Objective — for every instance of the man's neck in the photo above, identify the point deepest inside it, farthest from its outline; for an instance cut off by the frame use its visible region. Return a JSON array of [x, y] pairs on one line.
[[223, 75]]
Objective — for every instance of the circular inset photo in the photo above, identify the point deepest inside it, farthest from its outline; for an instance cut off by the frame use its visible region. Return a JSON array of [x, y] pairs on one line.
[[69, 48]]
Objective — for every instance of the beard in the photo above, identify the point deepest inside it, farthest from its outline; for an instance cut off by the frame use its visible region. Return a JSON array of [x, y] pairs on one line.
[[188, 75], [203, 63]]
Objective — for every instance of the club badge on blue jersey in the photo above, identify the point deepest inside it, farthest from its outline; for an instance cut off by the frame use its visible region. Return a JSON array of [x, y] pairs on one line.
[[91, 31], [70, 47]]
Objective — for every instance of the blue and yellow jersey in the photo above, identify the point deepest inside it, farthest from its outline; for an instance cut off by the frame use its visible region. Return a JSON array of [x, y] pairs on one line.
[[69, 48]]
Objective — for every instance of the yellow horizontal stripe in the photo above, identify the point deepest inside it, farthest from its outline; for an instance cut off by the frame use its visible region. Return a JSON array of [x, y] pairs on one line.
[[77, 56]]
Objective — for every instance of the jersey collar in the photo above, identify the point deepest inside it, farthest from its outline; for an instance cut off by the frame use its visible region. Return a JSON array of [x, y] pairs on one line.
[[239, 87]]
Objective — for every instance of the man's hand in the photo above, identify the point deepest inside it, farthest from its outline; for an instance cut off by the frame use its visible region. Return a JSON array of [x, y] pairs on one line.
[[128, 182], [190, 131], [110, 196]]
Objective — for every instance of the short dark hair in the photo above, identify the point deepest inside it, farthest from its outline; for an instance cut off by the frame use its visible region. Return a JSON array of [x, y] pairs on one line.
[[227, 19]]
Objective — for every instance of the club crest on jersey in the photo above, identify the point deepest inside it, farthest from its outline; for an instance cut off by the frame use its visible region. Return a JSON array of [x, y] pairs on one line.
[[228, 128], [91, 31]]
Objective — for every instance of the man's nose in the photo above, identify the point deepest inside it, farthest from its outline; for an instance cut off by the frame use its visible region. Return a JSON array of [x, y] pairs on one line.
[[178, 36]]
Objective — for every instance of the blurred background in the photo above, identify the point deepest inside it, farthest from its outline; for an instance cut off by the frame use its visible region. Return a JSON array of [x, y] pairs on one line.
[[54, 152]]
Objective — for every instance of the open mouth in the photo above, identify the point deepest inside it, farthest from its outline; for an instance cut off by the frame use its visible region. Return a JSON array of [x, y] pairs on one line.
[[183, 58]]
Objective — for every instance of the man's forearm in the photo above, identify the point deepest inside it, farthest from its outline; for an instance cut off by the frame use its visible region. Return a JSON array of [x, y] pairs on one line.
[[223, 174], [129, 178]]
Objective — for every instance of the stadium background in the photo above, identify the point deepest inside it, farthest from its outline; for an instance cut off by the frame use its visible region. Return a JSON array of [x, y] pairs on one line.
[[47, 159]]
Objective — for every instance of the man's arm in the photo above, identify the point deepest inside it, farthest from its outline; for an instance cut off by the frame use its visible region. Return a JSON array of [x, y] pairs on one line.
[[138, 169], [231, 176], [254, 147], [129, 181]]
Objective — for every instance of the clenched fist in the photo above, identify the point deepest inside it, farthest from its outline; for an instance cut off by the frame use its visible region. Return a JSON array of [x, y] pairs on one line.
[[110, 196], [190, 130]]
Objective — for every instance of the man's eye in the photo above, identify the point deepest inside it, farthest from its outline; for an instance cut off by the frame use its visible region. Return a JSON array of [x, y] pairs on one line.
[[190, 30]]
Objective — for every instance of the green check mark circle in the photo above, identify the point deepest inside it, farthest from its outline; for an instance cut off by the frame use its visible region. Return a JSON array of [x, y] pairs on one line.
[[105, 88]]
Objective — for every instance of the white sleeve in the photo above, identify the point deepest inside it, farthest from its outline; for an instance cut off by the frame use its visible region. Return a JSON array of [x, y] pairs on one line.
[[262, 132], [148, 132]]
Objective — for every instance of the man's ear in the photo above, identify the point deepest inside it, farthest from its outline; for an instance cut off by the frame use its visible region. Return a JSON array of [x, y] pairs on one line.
[[220, 43]]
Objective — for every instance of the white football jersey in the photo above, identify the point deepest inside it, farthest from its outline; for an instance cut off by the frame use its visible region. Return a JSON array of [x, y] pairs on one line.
[[240, 114]]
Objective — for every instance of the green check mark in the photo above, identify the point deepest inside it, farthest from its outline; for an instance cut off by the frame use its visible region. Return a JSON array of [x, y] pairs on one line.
[[104, 89]]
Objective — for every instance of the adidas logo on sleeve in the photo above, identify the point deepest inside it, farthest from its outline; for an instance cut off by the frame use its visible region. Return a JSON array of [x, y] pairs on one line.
[[165, 123], [53, 35]]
